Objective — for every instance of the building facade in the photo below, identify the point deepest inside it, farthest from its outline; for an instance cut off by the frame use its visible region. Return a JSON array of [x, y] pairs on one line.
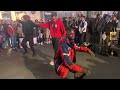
[[14, 15]]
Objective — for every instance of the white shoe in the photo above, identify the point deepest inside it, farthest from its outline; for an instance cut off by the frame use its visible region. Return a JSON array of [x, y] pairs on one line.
[[41, 43], [21, 47], [52, 63], [49, 42], [46, 42]]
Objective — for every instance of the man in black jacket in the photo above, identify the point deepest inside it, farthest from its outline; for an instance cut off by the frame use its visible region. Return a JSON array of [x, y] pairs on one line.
[[107, 29], [28, 27], [98, 27]]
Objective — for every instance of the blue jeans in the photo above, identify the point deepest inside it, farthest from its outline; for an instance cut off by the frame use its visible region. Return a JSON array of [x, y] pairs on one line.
[[4, 45], [82, 38], [13, 41]]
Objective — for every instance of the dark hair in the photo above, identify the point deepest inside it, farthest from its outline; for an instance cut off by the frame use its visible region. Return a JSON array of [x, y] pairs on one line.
[[98, 15], [83, 16], [36, 20], [69, 30], [53, 14]]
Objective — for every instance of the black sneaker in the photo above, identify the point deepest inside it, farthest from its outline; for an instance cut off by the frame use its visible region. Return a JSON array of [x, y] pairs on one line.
[[79, 76]]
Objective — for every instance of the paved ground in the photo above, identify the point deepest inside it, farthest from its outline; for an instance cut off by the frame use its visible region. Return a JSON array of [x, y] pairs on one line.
[[17, 66]]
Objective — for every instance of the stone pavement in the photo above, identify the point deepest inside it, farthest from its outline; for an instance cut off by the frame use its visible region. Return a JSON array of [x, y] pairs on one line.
[[17, 66]]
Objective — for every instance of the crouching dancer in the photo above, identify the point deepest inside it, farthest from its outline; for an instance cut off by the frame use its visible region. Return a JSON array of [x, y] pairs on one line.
[[65, 58]]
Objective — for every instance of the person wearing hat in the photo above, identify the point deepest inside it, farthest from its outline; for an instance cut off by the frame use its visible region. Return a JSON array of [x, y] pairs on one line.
[[57, 30], [28, 27], [65, 59]]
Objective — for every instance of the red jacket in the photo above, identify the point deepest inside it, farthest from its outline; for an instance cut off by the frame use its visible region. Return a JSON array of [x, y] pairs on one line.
[[57, 29], [11, 30], [65, 58]]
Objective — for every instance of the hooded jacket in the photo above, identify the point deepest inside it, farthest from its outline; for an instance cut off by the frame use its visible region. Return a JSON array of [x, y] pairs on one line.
[[57, 29]]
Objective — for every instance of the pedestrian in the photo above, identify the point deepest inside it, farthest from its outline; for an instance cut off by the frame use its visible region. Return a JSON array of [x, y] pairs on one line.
[[57, 30], [106, 31], [35, 32], [20, 35], [12, 33], [98, 27], [5, 28], [82, 30], [47, 35], [118, 31], [2, 39], [65, 59]]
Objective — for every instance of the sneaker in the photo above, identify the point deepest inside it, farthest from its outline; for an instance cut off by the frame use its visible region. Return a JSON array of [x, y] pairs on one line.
[[41, 43], [21, 47], [79, 76], [46, 42], [49, 42], [52, 63]]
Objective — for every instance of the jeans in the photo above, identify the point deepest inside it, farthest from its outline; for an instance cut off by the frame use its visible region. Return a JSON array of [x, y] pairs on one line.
[[82, 38], [13, 41]]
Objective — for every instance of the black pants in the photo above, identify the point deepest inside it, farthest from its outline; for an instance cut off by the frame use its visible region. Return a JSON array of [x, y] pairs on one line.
[[55, 42], [30, 39], [77, 36]]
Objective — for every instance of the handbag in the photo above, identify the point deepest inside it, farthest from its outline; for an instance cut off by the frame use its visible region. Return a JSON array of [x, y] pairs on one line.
[[113, 35]]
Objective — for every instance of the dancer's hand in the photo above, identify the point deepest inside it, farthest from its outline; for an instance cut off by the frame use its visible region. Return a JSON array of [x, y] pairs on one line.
[[91, 53], [86, 70]]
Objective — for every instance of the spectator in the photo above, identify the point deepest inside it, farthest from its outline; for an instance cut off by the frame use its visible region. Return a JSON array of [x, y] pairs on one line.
[[12, 33], [98, 27], [82, 30], [57, 30]]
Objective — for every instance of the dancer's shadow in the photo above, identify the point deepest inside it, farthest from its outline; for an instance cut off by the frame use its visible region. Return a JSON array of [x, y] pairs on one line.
[[44, 55], [39, 69]]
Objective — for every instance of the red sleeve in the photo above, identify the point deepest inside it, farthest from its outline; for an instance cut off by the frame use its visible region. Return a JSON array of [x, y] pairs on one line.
[[63, 28], [44, 25], [9, 30], [81, 48]]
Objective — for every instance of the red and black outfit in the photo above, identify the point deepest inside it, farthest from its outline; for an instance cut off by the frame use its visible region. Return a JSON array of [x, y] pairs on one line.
[[57, 30], [65, 58]]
